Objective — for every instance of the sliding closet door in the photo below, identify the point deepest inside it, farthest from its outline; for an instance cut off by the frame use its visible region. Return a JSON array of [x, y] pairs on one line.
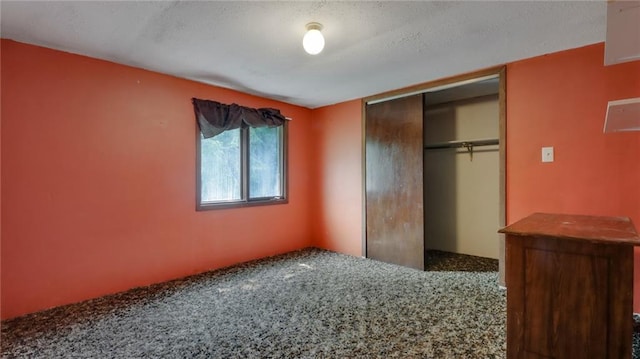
[[394, 172]]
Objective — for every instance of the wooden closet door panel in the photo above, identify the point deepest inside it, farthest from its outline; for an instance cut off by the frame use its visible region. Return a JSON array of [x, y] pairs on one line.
[[394, 172]]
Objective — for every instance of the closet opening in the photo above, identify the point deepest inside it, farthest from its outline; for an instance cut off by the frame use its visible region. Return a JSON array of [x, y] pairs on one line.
[[461, 170], [457, 195]]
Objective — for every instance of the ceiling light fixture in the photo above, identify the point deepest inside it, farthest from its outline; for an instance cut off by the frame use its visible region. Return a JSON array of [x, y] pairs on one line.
[[313, 41]]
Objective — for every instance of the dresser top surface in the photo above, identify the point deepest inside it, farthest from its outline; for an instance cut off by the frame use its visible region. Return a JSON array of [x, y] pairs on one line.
[[593, 228]]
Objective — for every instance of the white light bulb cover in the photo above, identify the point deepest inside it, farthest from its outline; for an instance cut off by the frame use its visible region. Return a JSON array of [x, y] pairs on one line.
[[313, 41]]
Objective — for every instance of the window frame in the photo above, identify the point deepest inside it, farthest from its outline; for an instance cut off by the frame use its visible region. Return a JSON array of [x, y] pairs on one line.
[[245, 201]]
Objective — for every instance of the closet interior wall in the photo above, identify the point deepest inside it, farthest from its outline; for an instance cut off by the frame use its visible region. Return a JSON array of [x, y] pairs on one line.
[[462, 189]]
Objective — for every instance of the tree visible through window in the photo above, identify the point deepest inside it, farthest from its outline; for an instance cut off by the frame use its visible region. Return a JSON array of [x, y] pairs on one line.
[[244, 166], [264, 162], [220, 167]]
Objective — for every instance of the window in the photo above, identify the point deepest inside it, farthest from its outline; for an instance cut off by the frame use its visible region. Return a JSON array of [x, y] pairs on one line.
[[242, 167]]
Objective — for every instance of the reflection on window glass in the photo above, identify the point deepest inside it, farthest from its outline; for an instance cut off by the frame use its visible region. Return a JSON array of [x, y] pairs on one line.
[[264, 162], [220, 167]]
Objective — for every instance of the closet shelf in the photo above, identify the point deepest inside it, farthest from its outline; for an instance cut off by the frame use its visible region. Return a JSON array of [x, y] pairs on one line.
[[467, 144]]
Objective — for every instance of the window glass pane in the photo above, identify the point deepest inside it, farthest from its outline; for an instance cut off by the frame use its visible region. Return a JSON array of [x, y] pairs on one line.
[[220, 167], [264, 162]]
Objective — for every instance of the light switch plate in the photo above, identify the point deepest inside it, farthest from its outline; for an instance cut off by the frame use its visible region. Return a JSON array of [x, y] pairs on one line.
[[547, 154]]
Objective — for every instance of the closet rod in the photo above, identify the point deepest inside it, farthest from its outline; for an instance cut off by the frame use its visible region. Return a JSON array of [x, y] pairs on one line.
[[466, 144]]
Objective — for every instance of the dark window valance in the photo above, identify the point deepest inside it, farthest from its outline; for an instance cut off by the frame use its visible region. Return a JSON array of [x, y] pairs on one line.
[[214, 117]]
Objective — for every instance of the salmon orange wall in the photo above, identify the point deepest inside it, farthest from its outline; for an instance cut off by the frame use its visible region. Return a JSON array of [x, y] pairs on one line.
[[98, 181], [560, 100], [0, 187], [337, 210]]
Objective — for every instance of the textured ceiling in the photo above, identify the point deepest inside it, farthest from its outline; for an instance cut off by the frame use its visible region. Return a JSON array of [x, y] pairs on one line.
[[256, 47]]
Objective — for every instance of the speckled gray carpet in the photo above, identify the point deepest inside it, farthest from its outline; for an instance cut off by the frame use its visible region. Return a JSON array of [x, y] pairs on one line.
[[306, 304], [446, 261]]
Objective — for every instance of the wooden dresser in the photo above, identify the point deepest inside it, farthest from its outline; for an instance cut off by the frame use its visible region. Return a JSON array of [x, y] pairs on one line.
[[569, 286]]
